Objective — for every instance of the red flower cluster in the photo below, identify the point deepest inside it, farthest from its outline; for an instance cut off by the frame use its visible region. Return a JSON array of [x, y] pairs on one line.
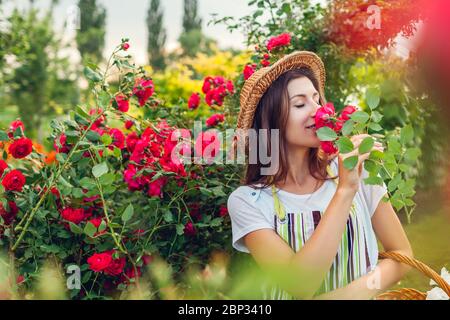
[[216, 89], [281, 40], [194, 101], [143, 89], [326, 117], [265, 60], [21, 148], [151, 148], [3, 167], [122, 102], [214, 120], [249, 69], [207, 145], [104, 262]]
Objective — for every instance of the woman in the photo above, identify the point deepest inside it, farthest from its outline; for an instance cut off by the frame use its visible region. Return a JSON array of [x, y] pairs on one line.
[[311, 217]]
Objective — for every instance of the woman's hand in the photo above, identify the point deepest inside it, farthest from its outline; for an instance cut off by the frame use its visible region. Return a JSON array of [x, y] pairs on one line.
[[349, 179]]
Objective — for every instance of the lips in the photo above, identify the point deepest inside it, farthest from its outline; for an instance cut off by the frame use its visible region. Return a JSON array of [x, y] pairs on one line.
[[313, 126]]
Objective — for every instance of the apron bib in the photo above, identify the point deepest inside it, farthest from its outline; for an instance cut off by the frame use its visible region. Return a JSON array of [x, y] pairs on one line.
[[351, 260]]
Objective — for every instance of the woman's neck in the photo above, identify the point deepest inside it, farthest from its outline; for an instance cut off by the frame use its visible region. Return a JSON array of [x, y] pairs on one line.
[[298, 163]]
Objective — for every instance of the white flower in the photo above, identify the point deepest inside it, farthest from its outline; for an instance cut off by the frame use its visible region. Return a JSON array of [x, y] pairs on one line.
[[444, 274], [437, 294]]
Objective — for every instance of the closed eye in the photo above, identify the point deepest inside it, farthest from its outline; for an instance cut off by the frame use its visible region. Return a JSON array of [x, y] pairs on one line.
[[299, 105]]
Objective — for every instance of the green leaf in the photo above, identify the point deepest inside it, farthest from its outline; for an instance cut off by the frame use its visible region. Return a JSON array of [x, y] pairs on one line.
[[351, 162], [376, 116], [64, 182], [345, 145], [75, 228], [107, 179], [90, 229], [180, 229], [102, 226], [127, 213], [88, 183], [371, 166], [104, 99], [372, 98], [92, 136], [107, 139], [406, 134], [373, 181], [347, 128], [258, 13], [326, 134], [375, 127], [3, 136], [366, 145], [92, 75], [360, 116], [100, 169], [412, 154]]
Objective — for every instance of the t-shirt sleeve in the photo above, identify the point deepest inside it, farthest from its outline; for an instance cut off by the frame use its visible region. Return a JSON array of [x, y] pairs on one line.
[[372, 194], [245, 218]]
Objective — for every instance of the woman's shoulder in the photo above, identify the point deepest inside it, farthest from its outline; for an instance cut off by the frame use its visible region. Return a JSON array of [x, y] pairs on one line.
[[247, 193]]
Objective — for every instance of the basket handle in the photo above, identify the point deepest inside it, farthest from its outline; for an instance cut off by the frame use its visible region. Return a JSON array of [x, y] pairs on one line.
[[422, 267]]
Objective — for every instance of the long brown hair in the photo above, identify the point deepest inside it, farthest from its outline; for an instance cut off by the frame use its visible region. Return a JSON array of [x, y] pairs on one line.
[[272, 112]]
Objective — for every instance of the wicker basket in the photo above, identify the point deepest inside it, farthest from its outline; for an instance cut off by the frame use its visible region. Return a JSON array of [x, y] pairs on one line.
[[408, 293]]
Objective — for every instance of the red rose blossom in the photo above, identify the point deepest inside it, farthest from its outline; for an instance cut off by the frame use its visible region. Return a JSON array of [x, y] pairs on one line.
[[13, 127], [129, 124], [281, 40], [143, 89], [118, 138], [249, 69], [115, 267], [214, 120], [73, 215], [189, 229], [346, 112], [194, 101], [123, 104], [98, 262], [125, 46], [14, 181], [328, 147], [223, 211], [21, 148], [323, 114]]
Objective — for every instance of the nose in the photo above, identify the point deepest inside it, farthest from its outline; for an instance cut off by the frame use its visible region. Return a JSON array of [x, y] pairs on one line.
[[316, 107]]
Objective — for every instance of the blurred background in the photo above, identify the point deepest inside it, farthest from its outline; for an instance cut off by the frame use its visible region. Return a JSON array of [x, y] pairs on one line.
[[405, 55]]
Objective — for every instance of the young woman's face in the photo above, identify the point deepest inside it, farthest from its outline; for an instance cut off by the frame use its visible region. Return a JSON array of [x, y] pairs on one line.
[[303, 103]]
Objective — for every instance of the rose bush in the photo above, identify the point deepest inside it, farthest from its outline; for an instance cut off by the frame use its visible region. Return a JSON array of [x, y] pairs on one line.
[[115, 197]]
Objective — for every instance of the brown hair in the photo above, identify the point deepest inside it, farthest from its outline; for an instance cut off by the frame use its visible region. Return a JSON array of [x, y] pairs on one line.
[[272, 112]]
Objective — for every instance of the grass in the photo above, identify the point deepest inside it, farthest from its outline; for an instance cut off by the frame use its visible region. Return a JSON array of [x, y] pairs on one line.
[[430, 239]]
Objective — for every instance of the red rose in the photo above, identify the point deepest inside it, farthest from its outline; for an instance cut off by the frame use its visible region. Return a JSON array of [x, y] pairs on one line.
[[14, 181], [155, 187], [122, 103], [189, 229], [194, 101], [13, 127], [21, 148], [323, 114], [118, 138], [230, 86], [218, 80], [131, 141], [281, 40], [8, 216], [115, 267], [328, 147], [214, 120], [129, 124], [265, 63], [143, 90], [346, 112], [73, 215], [100, 120], [206, 85], [63, 142], [249, 70], [98, 262], [223, 211], [125, 46], [3, 167]]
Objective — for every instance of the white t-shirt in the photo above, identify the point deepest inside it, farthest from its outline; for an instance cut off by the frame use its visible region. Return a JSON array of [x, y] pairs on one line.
[[253, 209]]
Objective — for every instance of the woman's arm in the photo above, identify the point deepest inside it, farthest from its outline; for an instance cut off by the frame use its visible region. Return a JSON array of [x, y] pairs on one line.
[[390, 233], [303, 271]]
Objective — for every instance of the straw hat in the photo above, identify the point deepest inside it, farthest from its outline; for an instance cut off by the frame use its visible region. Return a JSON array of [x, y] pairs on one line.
[[255, 86]]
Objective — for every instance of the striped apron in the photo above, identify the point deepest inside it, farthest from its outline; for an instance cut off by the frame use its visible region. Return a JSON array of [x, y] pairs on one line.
[[351, 260]]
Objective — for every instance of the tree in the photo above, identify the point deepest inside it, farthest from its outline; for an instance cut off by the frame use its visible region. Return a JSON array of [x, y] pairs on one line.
[[39, 82], [156, 36], [192, 40], [190, 19], [91, 36]]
